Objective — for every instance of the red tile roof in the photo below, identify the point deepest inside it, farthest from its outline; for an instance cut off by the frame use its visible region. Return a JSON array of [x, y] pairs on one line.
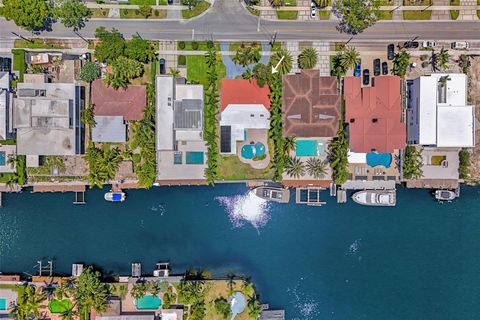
[[311, 105], [240, 91], [128, 103], [373, 114]]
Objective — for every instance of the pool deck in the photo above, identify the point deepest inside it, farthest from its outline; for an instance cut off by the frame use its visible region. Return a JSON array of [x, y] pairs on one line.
[[255, 135], [360, 172], [10, 295]]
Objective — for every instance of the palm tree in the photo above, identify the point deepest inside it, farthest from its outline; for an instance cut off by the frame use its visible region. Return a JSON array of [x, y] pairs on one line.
[[443, 57], [174, 72], [62, 291], [247, 287], [69, 314], [277, 3], [289, 144], [401, 61], [33, 301], [231, 281], [308, 58], [12, 160], [12, 180], [349, 58], [248, 75], [316, 168], [254, 307], [285, 65], [464, 63], [295, 167], [443, 80]]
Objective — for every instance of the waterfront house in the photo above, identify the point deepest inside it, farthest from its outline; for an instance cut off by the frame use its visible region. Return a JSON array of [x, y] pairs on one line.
[[244, 121], [311, 110], [114, 109], [5, 99], [181, 150], [440, 123], [46, 118], [376, 131]]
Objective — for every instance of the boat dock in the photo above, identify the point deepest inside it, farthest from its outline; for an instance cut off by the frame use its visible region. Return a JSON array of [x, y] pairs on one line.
[[309, 196], [79, 197], [136, 270]]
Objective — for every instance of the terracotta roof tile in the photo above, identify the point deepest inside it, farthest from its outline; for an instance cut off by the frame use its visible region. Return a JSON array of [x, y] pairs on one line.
[[240, 91]]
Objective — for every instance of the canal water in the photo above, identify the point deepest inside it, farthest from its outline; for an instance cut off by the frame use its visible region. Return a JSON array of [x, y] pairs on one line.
[[419, 260]]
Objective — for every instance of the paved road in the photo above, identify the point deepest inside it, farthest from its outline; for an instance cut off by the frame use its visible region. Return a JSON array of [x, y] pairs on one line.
[[228, 20]]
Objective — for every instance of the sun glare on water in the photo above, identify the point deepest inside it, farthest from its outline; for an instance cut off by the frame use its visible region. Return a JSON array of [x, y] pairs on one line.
[[246, 208]]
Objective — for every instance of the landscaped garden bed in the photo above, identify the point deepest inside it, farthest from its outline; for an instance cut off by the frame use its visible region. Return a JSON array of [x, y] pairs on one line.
[[195, 11], [287, 14]]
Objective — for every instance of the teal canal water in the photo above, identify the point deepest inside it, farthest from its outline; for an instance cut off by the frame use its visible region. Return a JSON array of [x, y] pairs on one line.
[[419, 260]]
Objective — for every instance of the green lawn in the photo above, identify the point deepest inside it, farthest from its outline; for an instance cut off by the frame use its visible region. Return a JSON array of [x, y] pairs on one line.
[[149, 2], [135, 14], [417, 2], [417, 15], [287, 14], [202, 46], [385, 2], [195, 11], [454, 13], [8, 142], [39, 44], [324, 14], [291, 3], [384, 15], [197, 69], [230, 168], [19, 62], [99, 13]]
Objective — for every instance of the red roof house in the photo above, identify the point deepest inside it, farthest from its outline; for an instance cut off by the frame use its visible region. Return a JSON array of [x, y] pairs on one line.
[[240, 91], [128, 103], [373, 114]]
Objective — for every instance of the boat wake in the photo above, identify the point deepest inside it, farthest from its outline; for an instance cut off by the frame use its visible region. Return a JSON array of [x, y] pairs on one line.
[[247, 208]]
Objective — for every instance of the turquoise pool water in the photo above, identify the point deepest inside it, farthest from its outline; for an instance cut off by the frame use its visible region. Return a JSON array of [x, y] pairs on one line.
[[195, 157], [3, 304], [379, 159], [309, 148], [148, 303], [253, 150], [2, 158]]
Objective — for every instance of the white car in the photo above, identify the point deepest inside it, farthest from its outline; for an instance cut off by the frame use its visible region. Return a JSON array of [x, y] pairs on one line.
[[313, 12], [428, 44], [460, 45]]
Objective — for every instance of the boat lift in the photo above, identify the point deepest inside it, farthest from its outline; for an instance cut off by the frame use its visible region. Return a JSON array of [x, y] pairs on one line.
[[309, 196], [45, 269]]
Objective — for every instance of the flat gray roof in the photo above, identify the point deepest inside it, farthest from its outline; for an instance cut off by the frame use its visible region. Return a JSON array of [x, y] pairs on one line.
[[188, 114], [109, 129]]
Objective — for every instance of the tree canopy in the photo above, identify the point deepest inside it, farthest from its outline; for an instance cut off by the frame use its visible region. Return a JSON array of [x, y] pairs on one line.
[[28, 14], [73, 13], [90, 292], [139, 49], [89, 72], [355, 15], [112, 44]]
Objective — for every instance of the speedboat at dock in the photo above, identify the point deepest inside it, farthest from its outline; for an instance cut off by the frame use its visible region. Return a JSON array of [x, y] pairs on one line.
[[445, 195], [272, 194], [115, 196]]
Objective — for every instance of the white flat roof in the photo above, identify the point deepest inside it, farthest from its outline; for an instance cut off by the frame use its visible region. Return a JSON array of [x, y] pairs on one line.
[[164, 125], [456, 87], [249, 116], [428, 111], [455, 126]]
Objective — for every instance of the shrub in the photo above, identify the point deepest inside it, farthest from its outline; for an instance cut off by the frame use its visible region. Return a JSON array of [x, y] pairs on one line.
[[210, 44], [181, 45], [137, 12], [156, 13], [258, 158], [182, 60], [464, 156], [195, 45]]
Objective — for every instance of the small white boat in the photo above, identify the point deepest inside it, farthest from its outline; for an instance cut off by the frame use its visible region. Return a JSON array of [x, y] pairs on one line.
[[115, 196], [380, 198], [445, 195], [272, 194]]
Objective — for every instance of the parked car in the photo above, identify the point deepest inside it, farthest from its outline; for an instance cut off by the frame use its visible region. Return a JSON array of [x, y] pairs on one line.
[[358, 70], [376, 67], [170, 2], [460, 45], [408, 45], [429, 44], [390, 51], [384, 67], [313, 11], [162, 66], [1, 63], [366, 77]]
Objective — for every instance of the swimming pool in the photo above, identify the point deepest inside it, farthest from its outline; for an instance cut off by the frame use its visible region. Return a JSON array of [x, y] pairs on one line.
[[148, 303], [194, 157], [249, 151], [379, 159], [3, 304], [309, 148], [2, 158]]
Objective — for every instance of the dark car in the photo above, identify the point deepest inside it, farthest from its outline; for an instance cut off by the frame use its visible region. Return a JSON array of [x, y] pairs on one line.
[[411, 45], [358, 69], [170, 2], [6, 64], [376, 67], [162, 66], [384, 67], [390, 51], [366, 77]]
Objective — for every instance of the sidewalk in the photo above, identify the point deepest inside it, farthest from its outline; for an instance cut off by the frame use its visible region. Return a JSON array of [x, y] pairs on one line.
[[383, 8]]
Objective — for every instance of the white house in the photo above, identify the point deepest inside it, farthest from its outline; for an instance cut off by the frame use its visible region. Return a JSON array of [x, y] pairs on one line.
[[438, 113]]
